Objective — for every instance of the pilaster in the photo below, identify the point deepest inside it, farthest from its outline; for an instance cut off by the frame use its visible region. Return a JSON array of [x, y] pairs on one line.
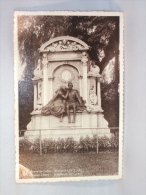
[[45, 79], [84, 60], [35, 83], [98, 92]]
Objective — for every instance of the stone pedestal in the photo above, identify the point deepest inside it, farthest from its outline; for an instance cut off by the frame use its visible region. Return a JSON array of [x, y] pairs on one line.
[[83, 120], [87, 124]]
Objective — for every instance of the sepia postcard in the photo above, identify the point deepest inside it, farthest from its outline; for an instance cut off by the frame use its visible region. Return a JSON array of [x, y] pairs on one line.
[[69, 73]]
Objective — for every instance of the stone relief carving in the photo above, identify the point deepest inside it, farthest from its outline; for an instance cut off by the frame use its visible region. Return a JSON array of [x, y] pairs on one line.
[[44, 60], [94, 69], [66, 75], [64, 45], [84, 58], [39, 98], [93, 107], [93, 96]]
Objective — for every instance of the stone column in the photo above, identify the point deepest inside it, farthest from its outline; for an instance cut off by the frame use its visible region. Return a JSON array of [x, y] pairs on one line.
[[50, 95], [84, 61], [80, 85], [45, 79], [98, 92], [35, 94]]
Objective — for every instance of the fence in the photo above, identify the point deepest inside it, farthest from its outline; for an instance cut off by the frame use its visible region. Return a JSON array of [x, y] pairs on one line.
[[78, 140]]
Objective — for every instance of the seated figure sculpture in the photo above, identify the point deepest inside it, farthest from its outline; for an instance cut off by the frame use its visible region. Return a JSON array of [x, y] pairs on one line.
[[73, 101], [56, 106]]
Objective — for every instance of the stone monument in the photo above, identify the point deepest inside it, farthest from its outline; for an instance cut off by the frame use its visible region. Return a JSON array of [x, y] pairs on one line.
[[65, 60]]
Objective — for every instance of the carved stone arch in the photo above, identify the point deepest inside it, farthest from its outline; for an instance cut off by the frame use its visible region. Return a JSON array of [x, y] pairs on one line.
[[75, 44]]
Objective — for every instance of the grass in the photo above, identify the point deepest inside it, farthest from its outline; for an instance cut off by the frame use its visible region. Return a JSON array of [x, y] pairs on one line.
[[70, 164]]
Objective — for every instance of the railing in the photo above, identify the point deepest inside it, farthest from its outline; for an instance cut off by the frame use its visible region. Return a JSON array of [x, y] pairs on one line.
[[96, 132]]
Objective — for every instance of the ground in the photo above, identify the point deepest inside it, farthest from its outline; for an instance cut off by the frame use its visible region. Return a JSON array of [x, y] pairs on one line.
[[70, 164]]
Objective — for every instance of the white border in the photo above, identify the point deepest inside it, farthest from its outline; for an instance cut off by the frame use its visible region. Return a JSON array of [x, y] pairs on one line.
[[121, 91]]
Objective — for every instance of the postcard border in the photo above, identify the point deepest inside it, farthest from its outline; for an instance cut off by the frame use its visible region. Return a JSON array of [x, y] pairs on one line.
[[121, 91]]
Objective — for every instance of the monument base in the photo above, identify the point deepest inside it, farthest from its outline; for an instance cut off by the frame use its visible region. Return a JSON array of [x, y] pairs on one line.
[[87, 124]]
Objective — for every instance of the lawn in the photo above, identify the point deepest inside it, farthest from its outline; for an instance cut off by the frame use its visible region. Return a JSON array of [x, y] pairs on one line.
[[70, 164]]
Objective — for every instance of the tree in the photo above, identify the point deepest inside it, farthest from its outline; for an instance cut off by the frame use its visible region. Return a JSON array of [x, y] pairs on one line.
[[33, 31], [100, 33]]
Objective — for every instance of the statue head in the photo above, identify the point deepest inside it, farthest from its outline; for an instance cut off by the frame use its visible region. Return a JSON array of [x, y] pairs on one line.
[[70, 85], [63, 88]]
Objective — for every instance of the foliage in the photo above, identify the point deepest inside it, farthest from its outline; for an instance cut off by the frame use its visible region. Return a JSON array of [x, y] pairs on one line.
[[110, 103], [25, 103], [24, 145], [63, 145], [100, 33]]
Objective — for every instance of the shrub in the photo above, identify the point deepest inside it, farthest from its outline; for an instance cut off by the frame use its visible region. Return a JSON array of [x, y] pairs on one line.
[[85, 144], [24, 144]]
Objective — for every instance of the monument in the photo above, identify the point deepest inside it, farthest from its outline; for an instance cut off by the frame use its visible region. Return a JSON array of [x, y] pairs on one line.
[[66, 84]]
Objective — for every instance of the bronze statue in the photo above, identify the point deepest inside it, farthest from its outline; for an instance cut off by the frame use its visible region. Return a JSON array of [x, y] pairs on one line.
[[64, 100], [56, 106], [73, 101]]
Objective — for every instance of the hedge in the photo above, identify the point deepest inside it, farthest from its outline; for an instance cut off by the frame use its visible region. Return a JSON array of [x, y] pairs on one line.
[[62, 145]]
